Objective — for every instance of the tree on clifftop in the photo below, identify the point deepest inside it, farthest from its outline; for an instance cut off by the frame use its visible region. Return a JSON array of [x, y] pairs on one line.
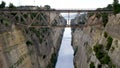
[[116, 2], [11, 6], [109, 7], [2, 5], [47, 6], [116, 7]]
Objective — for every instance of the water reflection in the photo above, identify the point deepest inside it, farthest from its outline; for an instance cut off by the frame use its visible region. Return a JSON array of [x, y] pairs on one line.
[[65, 58]]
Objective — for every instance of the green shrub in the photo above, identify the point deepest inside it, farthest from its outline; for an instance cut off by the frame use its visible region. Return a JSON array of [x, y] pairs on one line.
[[53, 61], [99, 66], [92, 65], [40, 39], [98, 15], [28, 43], [11, 6], [116, 6], [111, 65], [104, 18], [98, 51], [2, 5], [97, 47], [90, 14], [105, 34], [105, 59], [101, 55], [109, 43], [38, 34], [112, 49], [47, 7]]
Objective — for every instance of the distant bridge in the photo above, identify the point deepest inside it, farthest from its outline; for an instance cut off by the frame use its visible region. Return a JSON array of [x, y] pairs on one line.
[[23, 16]]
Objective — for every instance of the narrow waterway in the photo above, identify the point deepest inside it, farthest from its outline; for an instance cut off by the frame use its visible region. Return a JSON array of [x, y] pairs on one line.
[[65, 58]]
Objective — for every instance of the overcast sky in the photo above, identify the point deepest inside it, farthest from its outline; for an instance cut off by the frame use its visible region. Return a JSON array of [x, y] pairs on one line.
[[63, 3]]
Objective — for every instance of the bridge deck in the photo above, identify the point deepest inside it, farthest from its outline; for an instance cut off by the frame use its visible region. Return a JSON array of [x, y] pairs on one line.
[[55, 10]]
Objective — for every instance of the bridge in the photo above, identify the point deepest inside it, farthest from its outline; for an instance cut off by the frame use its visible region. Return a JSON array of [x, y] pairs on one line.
[[26, 17], [57, 10]]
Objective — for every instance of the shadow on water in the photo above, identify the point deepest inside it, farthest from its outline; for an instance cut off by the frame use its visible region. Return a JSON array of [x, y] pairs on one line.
[[65, 57]]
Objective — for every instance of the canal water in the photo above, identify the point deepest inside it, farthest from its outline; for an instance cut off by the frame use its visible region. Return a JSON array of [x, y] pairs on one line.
[[65, 57]]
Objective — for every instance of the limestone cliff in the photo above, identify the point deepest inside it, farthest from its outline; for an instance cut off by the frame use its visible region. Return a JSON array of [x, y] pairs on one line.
[[97, 46], [31, 47]]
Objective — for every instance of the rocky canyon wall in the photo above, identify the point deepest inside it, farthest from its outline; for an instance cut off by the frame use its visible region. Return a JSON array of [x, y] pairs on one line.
[[97, 46], [31, 47]]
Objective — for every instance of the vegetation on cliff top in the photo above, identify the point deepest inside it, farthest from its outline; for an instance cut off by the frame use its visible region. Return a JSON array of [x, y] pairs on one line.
[[116, 6], [2, 5], [11, 6]]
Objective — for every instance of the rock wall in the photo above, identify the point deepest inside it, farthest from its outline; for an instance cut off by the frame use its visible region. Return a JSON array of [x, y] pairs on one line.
[[113, 29], [14, 52], [31, 47], [86, 40]]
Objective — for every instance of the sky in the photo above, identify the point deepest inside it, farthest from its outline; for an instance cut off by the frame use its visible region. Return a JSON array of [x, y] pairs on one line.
[[63, 4]]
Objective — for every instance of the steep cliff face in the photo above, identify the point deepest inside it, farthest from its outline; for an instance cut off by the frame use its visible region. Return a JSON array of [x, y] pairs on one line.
[[113, 29], [13, 51], [83, 40], [97, 46], [31, 47]]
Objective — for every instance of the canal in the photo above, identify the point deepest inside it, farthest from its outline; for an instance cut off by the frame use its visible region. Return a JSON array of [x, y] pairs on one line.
[[65, 57]]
